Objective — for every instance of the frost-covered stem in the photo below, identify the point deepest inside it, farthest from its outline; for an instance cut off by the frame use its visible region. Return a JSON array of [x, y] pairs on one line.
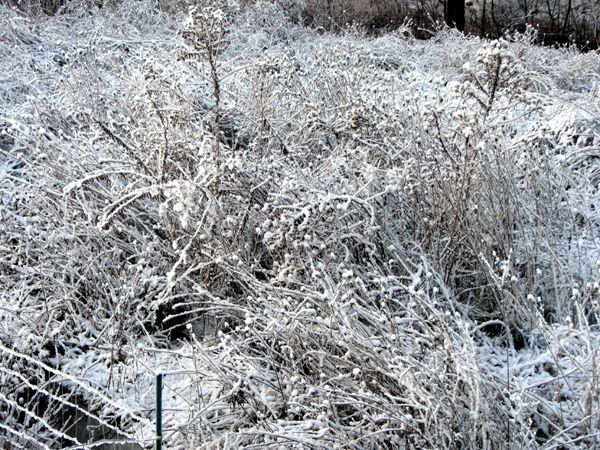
[[495, 83], [205, 32], [216, 82], [164, 150]]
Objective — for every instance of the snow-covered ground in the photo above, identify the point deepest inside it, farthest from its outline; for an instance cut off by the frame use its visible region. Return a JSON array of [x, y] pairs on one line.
[[321, 241]]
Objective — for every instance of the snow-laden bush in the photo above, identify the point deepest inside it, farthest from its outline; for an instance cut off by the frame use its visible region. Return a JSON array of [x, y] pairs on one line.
[[322, 241]]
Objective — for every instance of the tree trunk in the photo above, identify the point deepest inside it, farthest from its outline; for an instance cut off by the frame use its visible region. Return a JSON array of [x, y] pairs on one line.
[[566, 23], [455, 14], [482, 31]]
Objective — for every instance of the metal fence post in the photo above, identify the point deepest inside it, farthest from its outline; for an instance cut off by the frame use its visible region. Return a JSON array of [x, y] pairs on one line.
[[159, 386]]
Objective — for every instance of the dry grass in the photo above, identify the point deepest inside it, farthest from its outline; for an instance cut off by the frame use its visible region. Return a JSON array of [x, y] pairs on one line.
[[324, 240]]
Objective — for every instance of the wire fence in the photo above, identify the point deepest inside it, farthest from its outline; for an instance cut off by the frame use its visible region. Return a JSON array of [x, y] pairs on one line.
[[42, 407], [45, 407]]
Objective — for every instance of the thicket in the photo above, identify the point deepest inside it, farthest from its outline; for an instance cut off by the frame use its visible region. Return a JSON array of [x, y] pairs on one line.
[[324, 240], [558, 21]]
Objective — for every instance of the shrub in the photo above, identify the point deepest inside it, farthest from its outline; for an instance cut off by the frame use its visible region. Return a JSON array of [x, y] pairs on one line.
[[322, 240]]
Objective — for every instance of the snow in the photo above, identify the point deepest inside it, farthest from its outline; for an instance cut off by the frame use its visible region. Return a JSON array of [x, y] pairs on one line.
[[388, 246]]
